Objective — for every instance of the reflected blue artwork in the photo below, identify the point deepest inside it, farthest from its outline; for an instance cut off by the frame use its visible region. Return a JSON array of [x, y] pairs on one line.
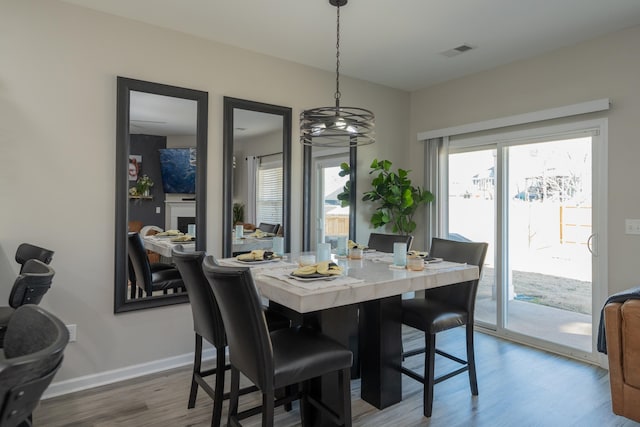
[[178, 166]]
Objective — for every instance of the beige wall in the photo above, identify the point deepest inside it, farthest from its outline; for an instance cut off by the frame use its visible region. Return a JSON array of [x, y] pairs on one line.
[[58, 68], [608, 67]]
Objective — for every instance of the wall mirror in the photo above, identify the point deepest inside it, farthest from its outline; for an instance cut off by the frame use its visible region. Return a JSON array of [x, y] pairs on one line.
[[161, 136], [256, 173], [321, 185]]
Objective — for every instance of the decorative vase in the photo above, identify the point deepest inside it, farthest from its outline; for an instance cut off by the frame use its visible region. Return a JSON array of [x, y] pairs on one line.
[[145, 192]]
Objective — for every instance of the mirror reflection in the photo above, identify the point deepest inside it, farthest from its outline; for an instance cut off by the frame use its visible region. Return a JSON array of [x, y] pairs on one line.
[[160, 189], [257, 170]]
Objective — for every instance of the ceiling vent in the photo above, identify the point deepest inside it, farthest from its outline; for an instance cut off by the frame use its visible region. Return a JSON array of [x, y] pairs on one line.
[[457, 50]]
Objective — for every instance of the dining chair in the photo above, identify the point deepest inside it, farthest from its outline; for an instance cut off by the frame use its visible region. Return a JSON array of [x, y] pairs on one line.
[[269, 228], [146, 277], [208, 324], [27, 251], [274, 360], [441, 309], [28, 288], [384, 242], [32, 354]]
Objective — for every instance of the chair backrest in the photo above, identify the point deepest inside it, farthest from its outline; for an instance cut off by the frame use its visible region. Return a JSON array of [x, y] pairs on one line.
[[461, 295], [269, 228], [250, 348], [384, 242], [207, 321], [27, 251], [31, 284], [33, 348], [139, 263]]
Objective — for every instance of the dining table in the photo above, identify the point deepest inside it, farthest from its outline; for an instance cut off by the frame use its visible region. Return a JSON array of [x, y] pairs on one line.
[[361, 308], [250, 243], [165, 244]]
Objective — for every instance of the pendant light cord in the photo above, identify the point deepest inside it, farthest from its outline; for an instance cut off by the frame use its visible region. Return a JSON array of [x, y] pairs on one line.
[[337, 94]]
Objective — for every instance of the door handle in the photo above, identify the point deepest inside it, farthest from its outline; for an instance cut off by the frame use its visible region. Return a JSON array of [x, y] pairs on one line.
[[590, 245]]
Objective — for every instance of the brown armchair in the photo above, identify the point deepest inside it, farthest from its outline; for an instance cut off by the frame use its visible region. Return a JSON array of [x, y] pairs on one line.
[[622, 326]]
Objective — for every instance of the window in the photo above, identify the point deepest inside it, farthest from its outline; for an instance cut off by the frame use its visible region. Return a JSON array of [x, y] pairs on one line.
[[269, 184]]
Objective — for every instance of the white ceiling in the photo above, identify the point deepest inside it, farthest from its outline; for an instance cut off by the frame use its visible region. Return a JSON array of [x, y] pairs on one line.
[[394, 43]]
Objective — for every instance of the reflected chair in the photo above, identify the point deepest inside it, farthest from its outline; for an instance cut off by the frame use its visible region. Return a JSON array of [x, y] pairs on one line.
[[444, 308], [147, 277], [269, 228], [274, 360], [28, 288], [207, 324], [384, 242], [27, 251], [33, 351]]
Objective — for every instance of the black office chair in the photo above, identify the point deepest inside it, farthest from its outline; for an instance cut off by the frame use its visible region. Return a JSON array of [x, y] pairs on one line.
[[208, 324], [384, 242], [33, 351], [269, 228], [148, 280], [445, 308], [273, 360], [27, 251], [28, 288]]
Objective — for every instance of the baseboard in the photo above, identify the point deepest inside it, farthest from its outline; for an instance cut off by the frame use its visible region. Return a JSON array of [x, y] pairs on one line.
[[109, 377]]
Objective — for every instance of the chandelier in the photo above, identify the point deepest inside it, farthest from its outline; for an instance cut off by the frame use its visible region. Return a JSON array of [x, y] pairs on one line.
[[337, 126]]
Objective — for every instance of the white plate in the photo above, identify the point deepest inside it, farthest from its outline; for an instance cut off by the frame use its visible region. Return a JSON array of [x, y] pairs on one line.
[[313, 277]]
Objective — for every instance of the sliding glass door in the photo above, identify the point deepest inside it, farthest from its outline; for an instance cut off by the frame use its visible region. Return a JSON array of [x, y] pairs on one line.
[[531, 197]]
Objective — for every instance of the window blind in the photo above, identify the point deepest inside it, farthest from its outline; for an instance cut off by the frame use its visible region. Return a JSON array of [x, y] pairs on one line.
[[269, 204]]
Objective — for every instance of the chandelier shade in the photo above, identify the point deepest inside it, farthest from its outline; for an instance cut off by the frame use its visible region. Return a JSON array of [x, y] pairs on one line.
[[337, 126]]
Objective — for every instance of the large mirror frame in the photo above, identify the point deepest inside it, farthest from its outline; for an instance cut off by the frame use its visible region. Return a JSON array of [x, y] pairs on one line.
[[308, 195], [125, 87], [231, 104]]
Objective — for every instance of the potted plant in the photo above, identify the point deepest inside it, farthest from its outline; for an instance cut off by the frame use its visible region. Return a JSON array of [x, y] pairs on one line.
[[345, 195], [396, 197], [142, 187], [238, 213]]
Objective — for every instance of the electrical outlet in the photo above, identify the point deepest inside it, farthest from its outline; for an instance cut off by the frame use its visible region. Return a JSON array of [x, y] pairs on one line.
[[158, 209], [72, 332], [632, 226]]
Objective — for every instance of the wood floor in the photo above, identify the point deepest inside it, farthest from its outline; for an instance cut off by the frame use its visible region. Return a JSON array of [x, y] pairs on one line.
[[519, 386]]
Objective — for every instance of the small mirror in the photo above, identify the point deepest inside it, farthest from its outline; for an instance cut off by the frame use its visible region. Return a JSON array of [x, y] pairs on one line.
[[257, 175], [161, 151]]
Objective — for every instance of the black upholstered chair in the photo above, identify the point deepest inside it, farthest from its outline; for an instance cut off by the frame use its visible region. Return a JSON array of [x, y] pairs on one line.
[[28, 288], [27, 251], [208, 324], [384, 242], [273, 360], [445, 308], [147, 278], [34, 346], [269, 228]]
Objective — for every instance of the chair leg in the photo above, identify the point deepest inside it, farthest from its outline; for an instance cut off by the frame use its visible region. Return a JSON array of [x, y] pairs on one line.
[[471, 360], [218, 395], [344, 383], [429, 364], [197, 363], [234, 396], [304, 404], [268, 398]]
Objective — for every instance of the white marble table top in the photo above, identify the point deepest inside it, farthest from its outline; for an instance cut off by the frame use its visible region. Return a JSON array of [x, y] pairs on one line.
[[247, 244], [164, 245], [374, 280]]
